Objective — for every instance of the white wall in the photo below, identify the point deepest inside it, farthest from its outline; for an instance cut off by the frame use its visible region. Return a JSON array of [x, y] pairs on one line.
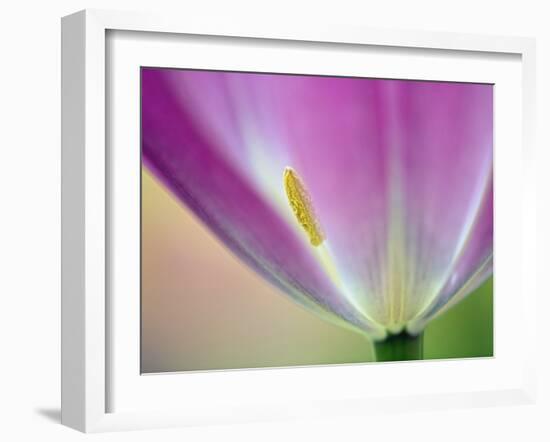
[[30, 221]]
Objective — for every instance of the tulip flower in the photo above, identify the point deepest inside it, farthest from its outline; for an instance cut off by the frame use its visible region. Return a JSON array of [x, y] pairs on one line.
[[367, 201]]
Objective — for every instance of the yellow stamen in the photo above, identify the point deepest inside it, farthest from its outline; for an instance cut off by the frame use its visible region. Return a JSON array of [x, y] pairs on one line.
[[300, 201]]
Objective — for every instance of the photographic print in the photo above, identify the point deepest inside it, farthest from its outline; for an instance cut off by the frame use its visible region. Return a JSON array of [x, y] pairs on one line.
[[295, 220]]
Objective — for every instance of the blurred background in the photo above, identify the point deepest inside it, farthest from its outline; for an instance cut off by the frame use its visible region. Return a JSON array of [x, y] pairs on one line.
[[202, 309]]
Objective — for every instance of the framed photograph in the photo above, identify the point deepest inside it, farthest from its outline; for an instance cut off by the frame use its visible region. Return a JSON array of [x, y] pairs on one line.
[[252, 211]]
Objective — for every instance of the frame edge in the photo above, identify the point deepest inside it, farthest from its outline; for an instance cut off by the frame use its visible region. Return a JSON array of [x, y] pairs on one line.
[[73, 370], [83, 200]]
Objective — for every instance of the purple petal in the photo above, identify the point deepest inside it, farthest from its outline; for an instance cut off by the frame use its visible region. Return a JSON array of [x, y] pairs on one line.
[[445, 168], [399, 173], [176, 149]]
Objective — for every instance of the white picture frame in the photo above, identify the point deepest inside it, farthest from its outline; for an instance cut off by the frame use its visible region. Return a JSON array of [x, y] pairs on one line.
[[87, 321]]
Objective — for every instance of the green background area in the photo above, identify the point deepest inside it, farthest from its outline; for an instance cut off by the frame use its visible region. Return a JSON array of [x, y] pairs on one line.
[[466, 330]]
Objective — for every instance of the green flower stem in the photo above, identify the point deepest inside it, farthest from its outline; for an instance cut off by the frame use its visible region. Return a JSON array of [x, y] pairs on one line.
[[400, 347]]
